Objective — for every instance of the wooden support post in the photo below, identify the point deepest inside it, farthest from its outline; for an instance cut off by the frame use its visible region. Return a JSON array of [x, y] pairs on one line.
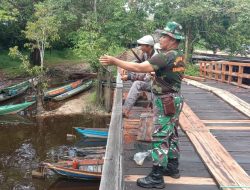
[[216, 71], [210, 70], [108, 92], [240, 74], [201, 69], [223, 70], [98, 87], [230, 74], [205, 70]]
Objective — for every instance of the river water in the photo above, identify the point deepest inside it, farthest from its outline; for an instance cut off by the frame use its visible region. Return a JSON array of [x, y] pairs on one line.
[[24, 143]]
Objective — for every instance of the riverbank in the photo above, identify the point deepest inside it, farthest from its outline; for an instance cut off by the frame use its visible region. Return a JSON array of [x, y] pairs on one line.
[[83, 103]]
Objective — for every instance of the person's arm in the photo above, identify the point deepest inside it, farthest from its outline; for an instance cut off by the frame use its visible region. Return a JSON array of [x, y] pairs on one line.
[[143, 67]]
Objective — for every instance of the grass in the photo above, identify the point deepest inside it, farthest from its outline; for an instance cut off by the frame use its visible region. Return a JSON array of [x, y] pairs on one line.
[[8, 65], [192, 70], [55, 57], [11, 67]]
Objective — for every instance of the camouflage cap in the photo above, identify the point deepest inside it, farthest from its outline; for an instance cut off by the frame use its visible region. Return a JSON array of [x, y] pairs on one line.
[[173, 29]]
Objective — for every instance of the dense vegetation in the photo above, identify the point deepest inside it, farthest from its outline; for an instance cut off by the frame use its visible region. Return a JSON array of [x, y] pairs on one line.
[[94, 27]]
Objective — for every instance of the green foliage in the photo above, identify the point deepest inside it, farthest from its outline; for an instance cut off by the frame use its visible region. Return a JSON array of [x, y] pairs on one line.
[[91, 45], [7, 12], [10, 31], [123, 26], [43, 29], [35, 71], [11, 67], [192, 70], [220, 24], [110, 28], [65, 56]]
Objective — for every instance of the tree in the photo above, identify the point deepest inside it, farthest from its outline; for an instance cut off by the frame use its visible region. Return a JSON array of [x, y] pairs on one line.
[[7, 12], [110, 26], [191, 14], [39, 81], [238, 32], [44, 28], [10, 30], [219, 23]]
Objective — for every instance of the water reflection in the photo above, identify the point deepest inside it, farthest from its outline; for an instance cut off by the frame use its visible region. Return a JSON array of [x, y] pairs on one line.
[[24, 144], [73, 185]]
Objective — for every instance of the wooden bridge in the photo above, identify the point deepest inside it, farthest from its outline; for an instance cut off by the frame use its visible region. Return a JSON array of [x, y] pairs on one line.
[[214, 140]]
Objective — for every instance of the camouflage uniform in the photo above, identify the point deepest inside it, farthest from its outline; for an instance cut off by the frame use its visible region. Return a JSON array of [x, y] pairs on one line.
[[169, 69], [165, 140]]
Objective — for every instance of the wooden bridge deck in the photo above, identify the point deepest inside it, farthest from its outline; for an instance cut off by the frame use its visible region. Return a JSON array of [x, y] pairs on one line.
[[226, 128]]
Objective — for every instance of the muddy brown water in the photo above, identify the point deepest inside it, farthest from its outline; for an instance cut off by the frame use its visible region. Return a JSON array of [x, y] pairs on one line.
[[25, 142]]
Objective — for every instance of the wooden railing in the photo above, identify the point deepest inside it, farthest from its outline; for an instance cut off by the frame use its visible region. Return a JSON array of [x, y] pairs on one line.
[[105, 87], [112, 178], [224, 71]]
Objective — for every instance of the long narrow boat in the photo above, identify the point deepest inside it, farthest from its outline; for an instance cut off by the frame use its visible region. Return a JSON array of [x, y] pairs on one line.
[[8, 94], [85, 151], [93, 132], [91, 142], [87, 169], [83, 87], [60, 90], [10, 109], [16, 86]]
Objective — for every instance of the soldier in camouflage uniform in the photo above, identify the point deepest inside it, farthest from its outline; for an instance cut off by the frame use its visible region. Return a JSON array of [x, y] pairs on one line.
[[169, 68]]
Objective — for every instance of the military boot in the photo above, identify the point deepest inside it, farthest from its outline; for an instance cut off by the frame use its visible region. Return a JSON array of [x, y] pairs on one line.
[[172, 169], [153, 180]]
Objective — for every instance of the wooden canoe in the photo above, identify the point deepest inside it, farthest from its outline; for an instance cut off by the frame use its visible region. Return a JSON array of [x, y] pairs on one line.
[[85, 151], [8, 94], [93, 132], [83, 87], [60, 90], [16, 86], [11, 109], [86, 169], [91, 142]]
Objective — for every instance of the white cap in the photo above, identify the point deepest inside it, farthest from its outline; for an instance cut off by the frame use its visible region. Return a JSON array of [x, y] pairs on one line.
[[157, 46], [147, 40]]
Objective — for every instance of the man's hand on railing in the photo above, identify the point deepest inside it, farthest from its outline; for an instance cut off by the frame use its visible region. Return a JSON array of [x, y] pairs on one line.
[[124, 77]]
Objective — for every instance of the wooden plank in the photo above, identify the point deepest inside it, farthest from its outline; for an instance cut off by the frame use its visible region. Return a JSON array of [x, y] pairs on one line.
[[226, 121], [133, 186], [229, 63], [231, 99], [112, 170], [226, 171], [226, 128], [201, 79], [180, 181]]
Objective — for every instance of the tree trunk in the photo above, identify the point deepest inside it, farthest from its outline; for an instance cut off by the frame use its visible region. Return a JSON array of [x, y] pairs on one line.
[[95, 11], [188, 45], [186, 49], [42, 50], [35, 58]]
